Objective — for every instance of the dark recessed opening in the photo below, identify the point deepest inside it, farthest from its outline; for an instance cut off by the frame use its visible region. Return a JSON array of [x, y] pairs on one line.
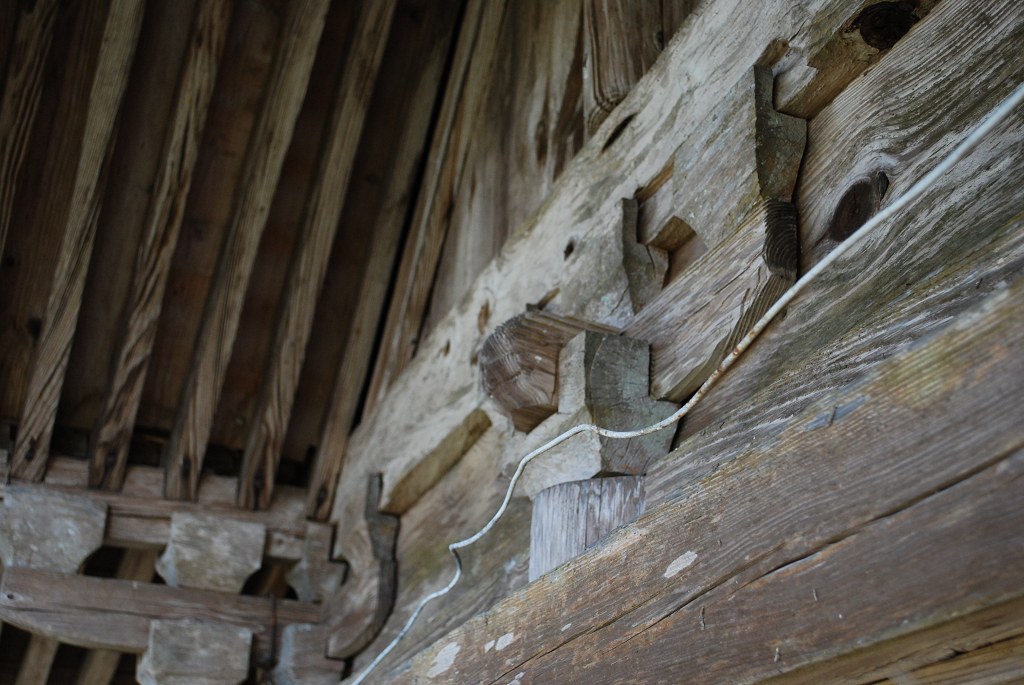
[[618, 131], [857, 205], [883, 24], [569, 248]]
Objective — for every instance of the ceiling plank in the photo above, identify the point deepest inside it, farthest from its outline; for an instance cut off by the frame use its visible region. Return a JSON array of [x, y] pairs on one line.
[[323, 211], [22, 90], [388, 219], [186, 448], [467, 86], [108, 455], [124, 18]]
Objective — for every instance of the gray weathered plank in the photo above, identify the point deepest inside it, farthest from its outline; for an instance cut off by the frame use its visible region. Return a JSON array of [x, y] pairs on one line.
[[186, 448]]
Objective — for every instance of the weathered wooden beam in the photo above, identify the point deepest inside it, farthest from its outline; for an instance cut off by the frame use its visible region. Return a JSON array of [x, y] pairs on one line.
[[68, 607], [602, 380], [172, 657], [464, 94], [37, 662], [623, 39], [108, 451], [519, 364], [100, 665], [422, 86], [697, 580], [23, 87], [186, 448], [124, 18], [569, 518], [309, 266]]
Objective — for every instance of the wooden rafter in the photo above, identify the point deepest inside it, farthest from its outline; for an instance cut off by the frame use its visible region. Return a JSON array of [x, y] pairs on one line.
[[422, 87], [185, 450], [22, 90], [463, 98], [124, 18], [108, 453], [309, 265]]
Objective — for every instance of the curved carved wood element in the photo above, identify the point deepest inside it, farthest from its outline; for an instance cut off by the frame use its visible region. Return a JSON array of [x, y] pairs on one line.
[[519, 364]]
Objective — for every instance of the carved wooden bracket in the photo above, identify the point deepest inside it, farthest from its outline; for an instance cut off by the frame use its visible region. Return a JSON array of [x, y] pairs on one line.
[[191, 652], [211, 553], [316, 577], [49, 530]]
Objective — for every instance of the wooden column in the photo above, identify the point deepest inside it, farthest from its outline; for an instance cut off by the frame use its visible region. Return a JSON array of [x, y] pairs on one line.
[[186, 448], [124, 18], [309, 264], [569, 518], [108, 450]]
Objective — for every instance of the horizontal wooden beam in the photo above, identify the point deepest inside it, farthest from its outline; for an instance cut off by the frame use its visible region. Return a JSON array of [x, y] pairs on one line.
[[786, 574], [33, 598], [186, 448]]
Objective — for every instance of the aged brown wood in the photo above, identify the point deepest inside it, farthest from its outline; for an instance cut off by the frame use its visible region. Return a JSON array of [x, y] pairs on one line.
[[68, 607], [23, 87], [603, 381], [1002, 662], [623, 39], [428, 55], [909, 483], [309, 266], [925, 268], [100, 665], [37, 662], [569, 518], [211, 553], [162, 224], [58, 326], [171, 657], [698, 319], [302, 660], [519, 364], [464, 95], [186, 448]]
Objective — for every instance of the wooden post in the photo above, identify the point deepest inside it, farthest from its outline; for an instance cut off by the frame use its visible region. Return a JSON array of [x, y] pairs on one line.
[[568, 518], [193, 652]]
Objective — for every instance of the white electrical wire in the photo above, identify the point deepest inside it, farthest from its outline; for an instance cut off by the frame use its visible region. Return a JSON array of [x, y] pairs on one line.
[[916, 191]]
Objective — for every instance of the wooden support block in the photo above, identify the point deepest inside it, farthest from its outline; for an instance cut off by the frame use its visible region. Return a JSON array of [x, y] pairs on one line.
[[193, 652], [211, 553], [603, 380], [22, 89], [316, 577], [309, 266], [49, 530], [53, 349], [519, 364], [744, 153], [645, 266], [111, 439], [623, 39], [698, 319], [357, 613], [185, 450], [302, 660], [569, 518]]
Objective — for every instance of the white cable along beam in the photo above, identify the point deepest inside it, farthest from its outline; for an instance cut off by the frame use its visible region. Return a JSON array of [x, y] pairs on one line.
[[916, 191]]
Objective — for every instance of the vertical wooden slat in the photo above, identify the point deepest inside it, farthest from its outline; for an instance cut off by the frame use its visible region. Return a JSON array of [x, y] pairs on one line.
[[309, 264], [267, 147], [422, 94], [109, 448], [467, 86], [124, 18], [22, 90], [38, 660], [101, 664]]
